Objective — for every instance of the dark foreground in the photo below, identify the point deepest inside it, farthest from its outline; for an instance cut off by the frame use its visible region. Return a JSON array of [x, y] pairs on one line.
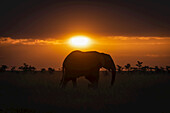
[[39, 92]]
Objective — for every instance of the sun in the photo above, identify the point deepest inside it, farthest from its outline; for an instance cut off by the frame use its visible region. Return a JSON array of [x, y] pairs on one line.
[[79, 41]]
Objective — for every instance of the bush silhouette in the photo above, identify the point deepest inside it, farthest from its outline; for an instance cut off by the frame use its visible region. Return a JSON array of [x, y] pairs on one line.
[[168, 69], [145, 68], [51, 70], [3, 68], [13, 68], [43, 70], [26, 68]]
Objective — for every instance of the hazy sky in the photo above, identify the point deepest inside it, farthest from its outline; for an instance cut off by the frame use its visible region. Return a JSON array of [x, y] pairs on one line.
[[37, 32], [53, 18], [51, 52]]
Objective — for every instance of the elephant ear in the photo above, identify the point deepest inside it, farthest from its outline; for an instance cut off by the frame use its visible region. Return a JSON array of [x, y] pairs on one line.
[[102, 61]]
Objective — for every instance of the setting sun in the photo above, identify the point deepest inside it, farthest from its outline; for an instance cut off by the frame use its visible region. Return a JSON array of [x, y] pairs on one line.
[[79, 41]]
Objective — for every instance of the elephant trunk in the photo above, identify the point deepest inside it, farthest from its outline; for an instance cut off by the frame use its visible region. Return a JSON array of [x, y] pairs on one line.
[[113, 76]]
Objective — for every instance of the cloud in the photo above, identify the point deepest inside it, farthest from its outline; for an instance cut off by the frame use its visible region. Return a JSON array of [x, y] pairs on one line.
[[107, 40], [124, 40], [136, 38], [157, 55], [9, 40]]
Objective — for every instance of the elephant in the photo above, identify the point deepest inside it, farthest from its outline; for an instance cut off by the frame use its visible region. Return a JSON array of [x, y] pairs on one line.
[[86, 64]]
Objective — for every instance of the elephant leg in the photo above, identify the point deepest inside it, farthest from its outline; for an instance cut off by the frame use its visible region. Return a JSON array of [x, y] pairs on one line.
[[94, 81], [64, 83], [74, 81]]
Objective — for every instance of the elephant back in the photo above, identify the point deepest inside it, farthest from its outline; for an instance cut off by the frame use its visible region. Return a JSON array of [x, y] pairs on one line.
[[81, 61]]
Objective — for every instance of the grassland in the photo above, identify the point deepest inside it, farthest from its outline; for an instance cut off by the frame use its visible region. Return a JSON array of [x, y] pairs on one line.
[[38, 92]]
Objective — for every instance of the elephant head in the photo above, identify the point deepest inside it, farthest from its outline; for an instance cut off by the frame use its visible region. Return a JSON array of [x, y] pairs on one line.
[[107, 63]]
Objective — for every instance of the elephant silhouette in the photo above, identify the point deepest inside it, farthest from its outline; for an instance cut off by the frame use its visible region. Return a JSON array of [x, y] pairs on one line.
[[86, 64]]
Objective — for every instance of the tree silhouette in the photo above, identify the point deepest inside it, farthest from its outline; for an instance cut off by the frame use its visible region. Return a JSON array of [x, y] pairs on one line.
[[26, 68], [162, 69], [13, 68], [139, 64], [120, 68], [167, 69], [145, 68], [21, 68], [3, 68], [128, 66], [134, 68], [157, 69], [31, 68], [151, 69]]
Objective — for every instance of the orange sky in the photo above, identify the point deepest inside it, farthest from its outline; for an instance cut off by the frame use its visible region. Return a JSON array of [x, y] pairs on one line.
[[50, 52]]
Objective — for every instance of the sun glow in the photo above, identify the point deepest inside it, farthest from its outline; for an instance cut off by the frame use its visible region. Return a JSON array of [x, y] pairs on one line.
[[79, 41]]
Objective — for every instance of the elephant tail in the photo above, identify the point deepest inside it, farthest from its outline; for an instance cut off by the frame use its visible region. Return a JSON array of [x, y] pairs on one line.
[[61, 82], [63, 70]]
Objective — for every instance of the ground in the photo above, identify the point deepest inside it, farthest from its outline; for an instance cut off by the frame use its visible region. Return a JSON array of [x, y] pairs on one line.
[[39, 92]]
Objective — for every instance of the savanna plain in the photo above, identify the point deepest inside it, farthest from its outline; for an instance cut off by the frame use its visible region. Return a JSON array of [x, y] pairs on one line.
[[39, 92]]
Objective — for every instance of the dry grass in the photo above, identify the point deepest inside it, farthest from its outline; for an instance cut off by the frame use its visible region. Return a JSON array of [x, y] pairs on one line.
[[39, 92]]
